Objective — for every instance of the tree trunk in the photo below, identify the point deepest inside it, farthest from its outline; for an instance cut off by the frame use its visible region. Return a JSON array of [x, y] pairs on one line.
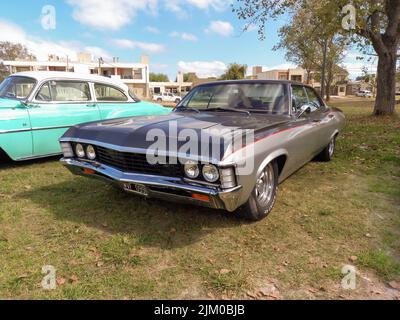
[[324, 52], [386, 82]]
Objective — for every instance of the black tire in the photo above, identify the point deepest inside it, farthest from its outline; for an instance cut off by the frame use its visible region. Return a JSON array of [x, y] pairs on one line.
[[326, 155], [255, 209]]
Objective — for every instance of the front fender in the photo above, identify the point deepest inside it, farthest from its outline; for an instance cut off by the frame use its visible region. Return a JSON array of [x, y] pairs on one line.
[[273, 155]]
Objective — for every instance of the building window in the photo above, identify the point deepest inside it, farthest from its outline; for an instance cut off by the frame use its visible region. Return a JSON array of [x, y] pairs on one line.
[[282, 76], [297, 78], [137, 74]]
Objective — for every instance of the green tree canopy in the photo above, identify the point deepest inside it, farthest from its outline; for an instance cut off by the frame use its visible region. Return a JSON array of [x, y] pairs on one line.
[[376, 26], [158, 77], [235, 71], [12, 51]]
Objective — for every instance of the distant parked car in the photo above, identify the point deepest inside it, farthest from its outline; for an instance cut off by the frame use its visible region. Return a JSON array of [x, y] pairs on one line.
[[364, 93], [37, 108], [167, 97]]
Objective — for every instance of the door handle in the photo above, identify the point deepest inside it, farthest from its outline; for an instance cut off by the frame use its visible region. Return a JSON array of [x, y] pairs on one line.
[[93, 105]]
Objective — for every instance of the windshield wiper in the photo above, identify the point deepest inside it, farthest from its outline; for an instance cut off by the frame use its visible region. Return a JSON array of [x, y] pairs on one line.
[[187, 109], [227, 110]]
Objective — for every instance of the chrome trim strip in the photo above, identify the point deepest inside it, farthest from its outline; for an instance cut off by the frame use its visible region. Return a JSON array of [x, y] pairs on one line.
[[145, 151], [220, 199], [35, 129], [39, 157]]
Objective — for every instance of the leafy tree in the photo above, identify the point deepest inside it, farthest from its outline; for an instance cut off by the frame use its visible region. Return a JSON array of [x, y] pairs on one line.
[[158, 77], [190, 77], [235, 71], [12, 51], [309, 54], [377, 26]]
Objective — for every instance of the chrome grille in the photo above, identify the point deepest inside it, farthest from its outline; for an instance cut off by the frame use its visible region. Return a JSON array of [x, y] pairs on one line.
[[136, 163]]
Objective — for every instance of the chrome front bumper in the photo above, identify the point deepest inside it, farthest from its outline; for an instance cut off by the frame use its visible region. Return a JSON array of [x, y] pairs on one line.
[[167, 188]]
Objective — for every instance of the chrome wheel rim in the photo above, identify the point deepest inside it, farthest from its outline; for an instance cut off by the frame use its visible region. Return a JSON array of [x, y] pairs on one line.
[[265, 186], [331, 147]]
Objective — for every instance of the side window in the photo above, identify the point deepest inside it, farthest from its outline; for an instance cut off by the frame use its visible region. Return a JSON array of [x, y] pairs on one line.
[[44, 93], [299, 97], [201, 98], [313, 99], [69, 91], [109, 94]]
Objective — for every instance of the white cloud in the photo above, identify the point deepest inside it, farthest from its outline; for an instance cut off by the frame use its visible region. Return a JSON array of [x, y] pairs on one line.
[[106, 14], [177, 6], [114, 14], [42, 48], [222, 28], [184, 36], [203, 69], [152, 30], [144, 46], [158, 67]]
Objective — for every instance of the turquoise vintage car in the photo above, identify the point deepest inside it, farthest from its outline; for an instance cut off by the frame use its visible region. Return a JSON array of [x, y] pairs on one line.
[[37, 108]]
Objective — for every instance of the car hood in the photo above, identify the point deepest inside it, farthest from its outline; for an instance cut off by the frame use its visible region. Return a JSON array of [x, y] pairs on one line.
[[139, 132]]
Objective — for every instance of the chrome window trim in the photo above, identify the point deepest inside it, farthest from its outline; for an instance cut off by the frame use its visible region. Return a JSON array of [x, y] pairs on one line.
[[31, 97], [34, 100], [111, 86]]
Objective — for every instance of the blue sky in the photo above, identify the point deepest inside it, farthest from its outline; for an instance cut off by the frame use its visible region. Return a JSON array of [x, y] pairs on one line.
[[189, 35]]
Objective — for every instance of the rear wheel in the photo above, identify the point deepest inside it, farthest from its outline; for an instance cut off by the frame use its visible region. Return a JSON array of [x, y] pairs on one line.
[[263, 196], [327, 154]]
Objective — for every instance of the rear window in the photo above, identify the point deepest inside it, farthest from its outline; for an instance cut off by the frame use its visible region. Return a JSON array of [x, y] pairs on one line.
[[109, 94]]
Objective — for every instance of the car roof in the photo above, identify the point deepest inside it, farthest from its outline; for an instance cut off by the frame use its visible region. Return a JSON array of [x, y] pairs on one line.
[[45, 75]]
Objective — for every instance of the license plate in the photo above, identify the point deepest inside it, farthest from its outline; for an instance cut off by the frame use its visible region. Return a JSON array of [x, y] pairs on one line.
[[137, 188]]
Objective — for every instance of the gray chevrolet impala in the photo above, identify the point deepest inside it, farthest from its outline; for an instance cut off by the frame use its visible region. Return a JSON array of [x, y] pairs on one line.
[[227, 145]]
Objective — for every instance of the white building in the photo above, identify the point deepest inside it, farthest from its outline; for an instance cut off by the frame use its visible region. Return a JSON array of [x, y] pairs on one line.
[[178, 87], [134, 75]]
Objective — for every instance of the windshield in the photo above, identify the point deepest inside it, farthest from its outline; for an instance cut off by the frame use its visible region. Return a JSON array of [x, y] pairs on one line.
[[17, 87], [265, 97]]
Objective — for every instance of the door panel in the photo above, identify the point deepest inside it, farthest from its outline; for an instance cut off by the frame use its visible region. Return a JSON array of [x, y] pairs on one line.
[[306, 142], [15, 134], [51, 119], [321, 120]]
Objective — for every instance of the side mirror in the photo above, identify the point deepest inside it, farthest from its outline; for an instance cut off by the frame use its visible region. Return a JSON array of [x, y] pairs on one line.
[[305, 109]]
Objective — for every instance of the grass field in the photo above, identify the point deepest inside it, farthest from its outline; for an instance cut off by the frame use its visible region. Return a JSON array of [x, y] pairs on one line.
[[107, 244]]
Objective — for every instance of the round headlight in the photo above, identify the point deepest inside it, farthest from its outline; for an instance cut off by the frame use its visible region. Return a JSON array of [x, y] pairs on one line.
[[192, 170], [210, 173], [90, 152], [80, 151]]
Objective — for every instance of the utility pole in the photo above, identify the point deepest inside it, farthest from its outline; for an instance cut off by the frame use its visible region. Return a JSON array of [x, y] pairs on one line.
[[101, 61], [325, 49], [67, 63]]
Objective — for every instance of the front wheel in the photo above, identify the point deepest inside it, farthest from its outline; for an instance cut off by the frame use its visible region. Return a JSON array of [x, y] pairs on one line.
[[263, 196], [327, 154]]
